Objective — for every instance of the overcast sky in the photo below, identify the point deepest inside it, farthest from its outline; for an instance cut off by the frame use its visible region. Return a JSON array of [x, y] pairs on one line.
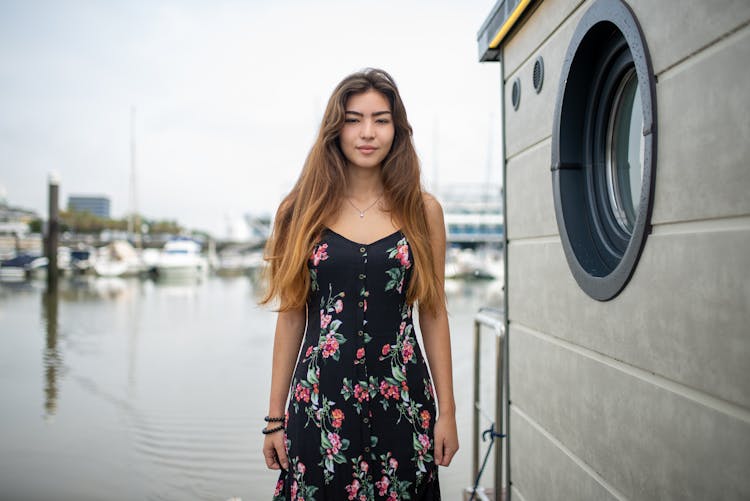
[[228, 96]]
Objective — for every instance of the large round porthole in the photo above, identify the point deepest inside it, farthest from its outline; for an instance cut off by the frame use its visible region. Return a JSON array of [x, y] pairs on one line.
[[604, 149]]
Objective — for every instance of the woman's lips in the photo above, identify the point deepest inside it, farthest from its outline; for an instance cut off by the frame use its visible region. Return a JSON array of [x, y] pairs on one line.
[[366, 149]]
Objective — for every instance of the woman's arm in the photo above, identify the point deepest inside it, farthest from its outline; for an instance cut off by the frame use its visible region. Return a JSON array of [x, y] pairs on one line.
[[290, 326], [437, 343]]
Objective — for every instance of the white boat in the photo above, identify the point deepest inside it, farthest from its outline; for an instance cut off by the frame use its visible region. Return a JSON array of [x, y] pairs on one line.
[[33, 266], [118, 259], [181, 258], [16, 269], [239, 262], [470, 264]]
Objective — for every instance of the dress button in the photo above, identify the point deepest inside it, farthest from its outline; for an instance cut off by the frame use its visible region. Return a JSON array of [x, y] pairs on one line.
[[366, 420], [367, 449], [361, 276], [362, 250], [360, 333], [360, 304]]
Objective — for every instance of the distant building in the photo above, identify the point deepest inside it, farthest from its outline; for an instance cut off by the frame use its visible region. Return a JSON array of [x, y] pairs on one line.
[[98, 206], [15, 231], [473, 214], [14, 220]]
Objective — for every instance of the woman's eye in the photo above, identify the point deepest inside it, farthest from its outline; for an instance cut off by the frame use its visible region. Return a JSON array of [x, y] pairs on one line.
[[383, 121], [351, 120]]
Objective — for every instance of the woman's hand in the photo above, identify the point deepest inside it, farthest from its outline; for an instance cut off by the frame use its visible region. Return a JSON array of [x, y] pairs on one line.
[[446, 439], [275, 452]]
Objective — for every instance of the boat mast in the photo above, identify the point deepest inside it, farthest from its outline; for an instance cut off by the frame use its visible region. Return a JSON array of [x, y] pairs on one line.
[[134, 223]]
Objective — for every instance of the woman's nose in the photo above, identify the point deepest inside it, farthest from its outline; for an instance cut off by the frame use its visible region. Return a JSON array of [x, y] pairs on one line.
[[367, 130]]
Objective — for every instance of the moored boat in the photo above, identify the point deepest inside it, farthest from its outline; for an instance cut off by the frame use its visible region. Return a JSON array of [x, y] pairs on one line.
[[181, 259]]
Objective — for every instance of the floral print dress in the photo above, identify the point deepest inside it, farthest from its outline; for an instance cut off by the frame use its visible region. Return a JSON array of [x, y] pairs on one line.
[[360, 420]]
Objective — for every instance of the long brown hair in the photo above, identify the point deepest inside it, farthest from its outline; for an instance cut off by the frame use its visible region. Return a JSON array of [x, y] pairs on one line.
[[300, 219]]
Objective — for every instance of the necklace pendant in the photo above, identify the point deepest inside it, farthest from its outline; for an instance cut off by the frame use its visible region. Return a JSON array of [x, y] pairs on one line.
[[361, 214]]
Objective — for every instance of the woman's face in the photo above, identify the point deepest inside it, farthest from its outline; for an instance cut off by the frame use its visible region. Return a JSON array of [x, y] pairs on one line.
[[368, 131]]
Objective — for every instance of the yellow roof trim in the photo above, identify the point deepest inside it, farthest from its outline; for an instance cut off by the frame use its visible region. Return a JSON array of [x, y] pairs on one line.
[[508, 24]]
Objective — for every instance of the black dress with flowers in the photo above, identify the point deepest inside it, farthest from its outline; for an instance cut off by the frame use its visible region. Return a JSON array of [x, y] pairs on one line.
[[360, 419]]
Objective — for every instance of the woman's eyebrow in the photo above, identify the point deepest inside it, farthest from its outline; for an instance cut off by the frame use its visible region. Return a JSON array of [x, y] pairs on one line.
[[375, 114]]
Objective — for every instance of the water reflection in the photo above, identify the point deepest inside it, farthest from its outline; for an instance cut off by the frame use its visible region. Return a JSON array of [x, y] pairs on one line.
[[172, 376], [51, 358]]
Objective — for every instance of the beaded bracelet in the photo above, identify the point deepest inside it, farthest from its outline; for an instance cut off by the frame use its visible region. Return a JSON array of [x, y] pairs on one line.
[[266, 431], [269, 419]]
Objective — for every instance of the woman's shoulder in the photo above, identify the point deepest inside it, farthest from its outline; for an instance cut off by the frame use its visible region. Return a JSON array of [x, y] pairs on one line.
[[432, 205], [433, 213]]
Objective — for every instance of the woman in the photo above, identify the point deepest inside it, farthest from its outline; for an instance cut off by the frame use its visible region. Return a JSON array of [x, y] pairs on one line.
[[355, 245]]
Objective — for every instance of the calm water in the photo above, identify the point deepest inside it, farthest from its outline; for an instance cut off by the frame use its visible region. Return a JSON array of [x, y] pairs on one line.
[[127, 390]]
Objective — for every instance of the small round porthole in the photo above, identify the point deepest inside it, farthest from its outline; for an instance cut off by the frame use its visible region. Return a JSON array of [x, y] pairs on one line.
[[515, 93], [604, 149], [538, 74]]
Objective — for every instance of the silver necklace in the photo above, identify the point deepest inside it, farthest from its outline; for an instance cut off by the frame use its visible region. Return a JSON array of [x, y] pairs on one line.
[[362, 211]]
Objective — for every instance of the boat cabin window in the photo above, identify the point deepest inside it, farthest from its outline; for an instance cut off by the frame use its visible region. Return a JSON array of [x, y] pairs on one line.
[[604, 148]]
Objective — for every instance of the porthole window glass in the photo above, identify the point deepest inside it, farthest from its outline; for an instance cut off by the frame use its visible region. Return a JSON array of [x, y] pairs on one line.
[[625, 152], [604, 148]]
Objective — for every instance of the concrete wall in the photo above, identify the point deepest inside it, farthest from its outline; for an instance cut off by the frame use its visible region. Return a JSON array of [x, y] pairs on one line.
[[646, 396]]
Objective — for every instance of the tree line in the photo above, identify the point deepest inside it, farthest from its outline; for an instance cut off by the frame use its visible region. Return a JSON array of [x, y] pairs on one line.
[[86, 222]]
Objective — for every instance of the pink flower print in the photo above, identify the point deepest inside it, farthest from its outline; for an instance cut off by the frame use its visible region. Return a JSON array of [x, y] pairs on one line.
[[295, 487], [392, 496], [360, 393], [364, 466], [337, 416], [318, 256], [301, 393], [389, 390], [309, 351], [424, 440], [324, 319], [401, 328], [383, 485], [301, 468], [335, 442], [363, 497], [330, 346], [365, 305], [279, 486], [393, 463], [360, 353], [403, 256], [339, 306], [353, 489], [425, 417], [429, 388], [407, 352], [386, 349], [383, 388]]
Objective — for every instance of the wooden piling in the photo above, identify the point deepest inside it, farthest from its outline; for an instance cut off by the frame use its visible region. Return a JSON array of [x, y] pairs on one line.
[[53, 231]]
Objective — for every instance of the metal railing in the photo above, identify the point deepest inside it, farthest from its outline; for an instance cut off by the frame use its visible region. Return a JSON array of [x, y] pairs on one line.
[[493, 318]]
